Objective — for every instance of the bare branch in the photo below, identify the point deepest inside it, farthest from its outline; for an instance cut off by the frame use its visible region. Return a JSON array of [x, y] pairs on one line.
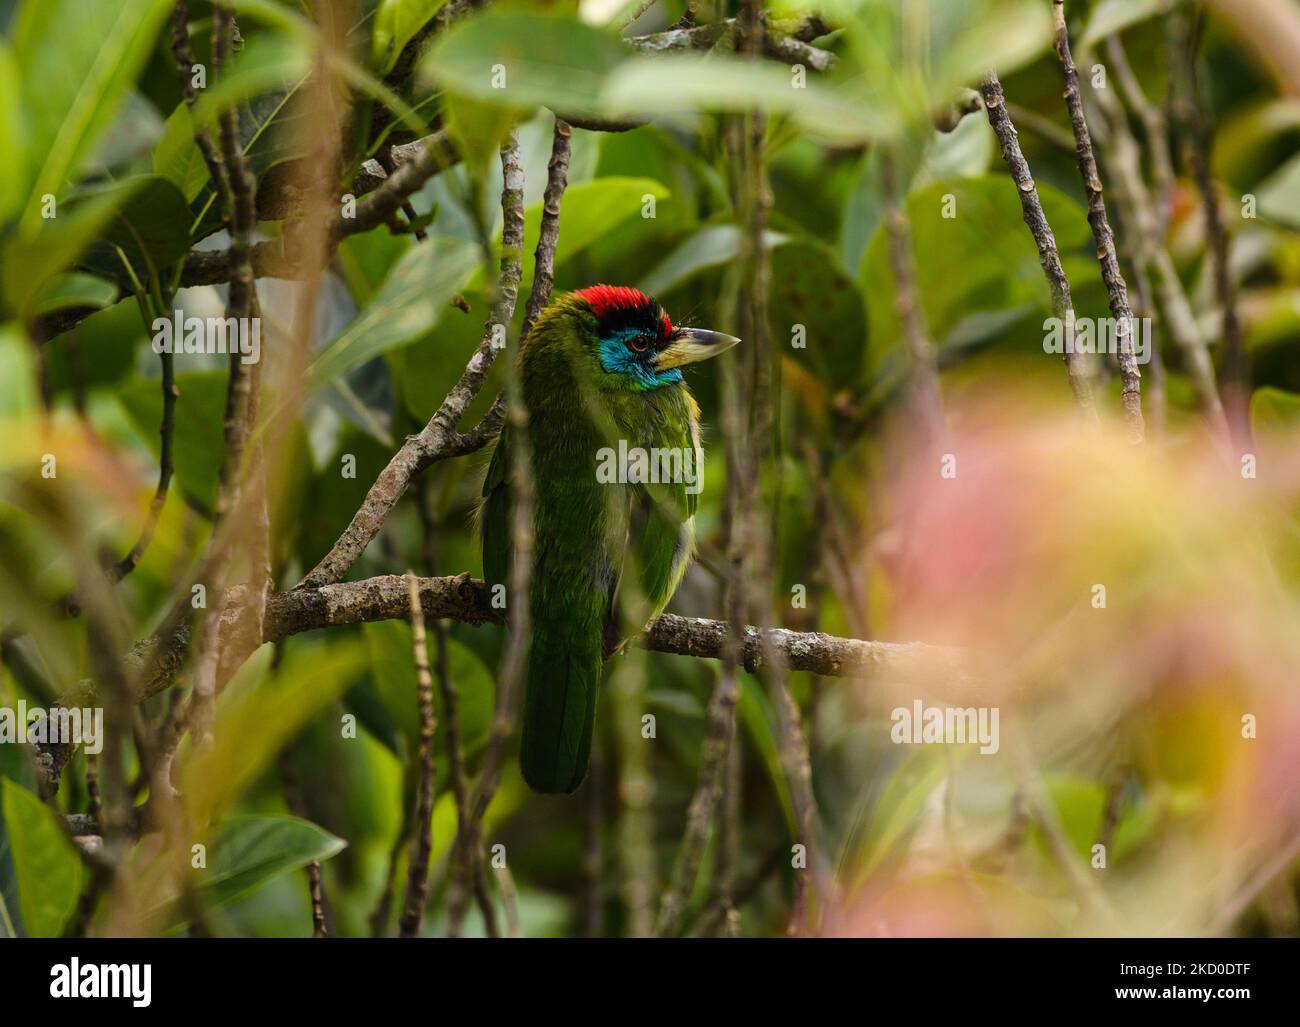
[[1130, 376], [466, 599], [1154, 125], [521, 531], [1126, 162], [1032, 208], [417, 886], [166, 431], [184, 53], [1199, 146]]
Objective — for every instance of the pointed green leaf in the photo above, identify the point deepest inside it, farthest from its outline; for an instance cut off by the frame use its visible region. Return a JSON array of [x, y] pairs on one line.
[[396, 22], [414, 296], [522, 59], [13, 135], [47, 868], [78, 60], [248, 851]]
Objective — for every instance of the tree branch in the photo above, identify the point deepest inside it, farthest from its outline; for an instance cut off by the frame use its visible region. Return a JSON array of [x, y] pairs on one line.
[[1125, 160], [466, 599], [1130, 376], [433, 443], [417, 886], [1058, 285]]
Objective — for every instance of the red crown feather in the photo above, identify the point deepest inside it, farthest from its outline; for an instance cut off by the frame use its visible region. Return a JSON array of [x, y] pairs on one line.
[[603, 299]]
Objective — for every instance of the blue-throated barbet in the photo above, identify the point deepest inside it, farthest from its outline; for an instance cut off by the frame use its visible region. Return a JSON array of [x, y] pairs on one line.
[[615, 438]]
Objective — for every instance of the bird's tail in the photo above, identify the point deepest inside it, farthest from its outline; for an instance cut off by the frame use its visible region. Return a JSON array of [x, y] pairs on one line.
[[564, 668]]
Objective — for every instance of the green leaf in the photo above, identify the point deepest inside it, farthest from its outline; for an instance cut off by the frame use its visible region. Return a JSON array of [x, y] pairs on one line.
[[1274, 410], [675, 84], [760, 724], [19, 396], [267, 63], [983, 258], [28, 264], [127, 141], [13, 141], [1080, 805], [151, 228], [197, 440], [247, 737], [100, 351], [904, 72], [522, 59], [389, 646], [591, 211], [712, 246], [1279, 195], [79, 60], [1274, 422], [47, 868], [396, 22], [478, 129], [809, 288], [414, 296], [897, 808], [248, 851], [965, 152], [11, 917], [177, 156], [1110, 16], [77, 290]]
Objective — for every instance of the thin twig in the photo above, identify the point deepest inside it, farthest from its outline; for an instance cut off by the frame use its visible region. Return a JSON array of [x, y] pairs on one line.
[[720, 718], [641, 9], [293, 799], [1048, 256], [417, 885], [185, 63], [166, 432], [503, 308], [636, 851], [1199, 129], [241, 305], [548, 236], [719, 732], [1117, 291], [1154, 125], [1126, 162]]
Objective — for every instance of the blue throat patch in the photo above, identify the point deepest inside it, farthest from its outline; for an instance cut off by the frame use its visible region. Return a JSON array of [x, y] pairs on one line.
[[617, 358]]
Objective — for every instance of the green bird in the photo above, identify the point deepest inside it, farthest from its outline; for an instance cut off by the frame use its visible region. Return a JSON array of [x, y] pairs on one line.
[[617, 466]]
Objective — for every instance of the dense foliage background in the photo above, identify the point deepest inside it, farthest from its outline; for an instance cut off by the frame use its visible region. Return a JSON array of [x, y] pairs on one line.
[[1121, 724]]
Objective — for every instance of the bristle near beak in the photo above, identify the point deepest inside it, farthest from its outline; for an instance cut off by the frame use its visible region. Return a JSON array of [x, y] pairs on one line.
[[691, 345]]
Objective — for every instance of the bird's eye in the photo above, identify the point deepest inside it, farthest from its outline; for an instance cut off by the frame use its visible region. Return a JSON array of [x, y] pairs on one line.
[[639, 343]]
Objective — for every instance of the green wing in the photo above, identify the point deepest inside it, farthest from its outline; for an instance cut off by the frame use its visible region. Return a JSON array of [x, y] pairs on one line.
[[663, 537]]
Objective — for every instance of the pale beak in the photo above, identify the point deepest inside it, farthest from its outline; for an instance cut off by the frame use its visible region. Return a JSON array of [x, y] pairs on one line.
[[691, 345]]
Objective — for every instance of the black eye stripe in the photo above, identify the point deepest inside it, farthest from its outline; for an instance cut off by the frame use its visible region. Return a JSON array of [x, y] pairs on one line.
[[646, 319]]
